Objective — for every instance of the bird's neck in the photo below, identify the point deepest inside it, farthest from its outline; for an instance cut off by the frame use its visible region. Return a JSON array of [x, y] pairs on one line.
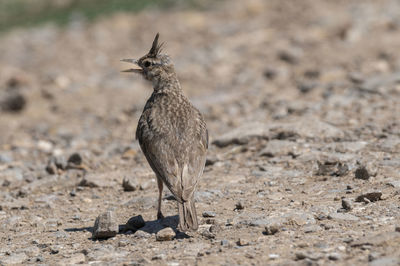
[[166, 81]]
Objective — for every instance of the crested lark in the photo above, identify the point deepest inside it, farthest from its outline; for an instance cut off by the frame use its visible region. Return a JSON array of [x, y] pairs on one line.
[[172, 134]]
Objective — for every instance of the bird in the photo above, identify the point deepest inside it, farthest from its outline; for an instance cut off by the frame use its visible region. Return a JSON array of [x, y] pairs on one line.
[[172, 134]]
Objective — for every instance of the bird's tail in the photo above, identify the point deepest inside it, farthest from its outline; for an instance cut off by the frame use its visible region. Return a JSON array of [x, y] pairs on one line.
[[187, 216]]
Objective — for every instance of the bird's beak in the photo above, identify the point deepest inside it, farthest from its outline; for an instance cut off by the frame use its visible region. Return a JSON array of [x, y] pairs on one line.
[[134, 70]]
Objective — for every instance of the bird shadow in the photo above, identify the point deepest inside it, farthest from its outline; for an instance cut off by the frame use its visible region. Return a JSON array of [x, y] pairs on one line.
[[153, 227], [150, 227]]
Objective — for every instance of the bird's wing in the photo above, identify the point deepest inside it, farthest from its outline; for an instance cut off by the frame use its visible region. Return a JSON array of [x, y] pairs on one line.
[[196, 159], [178, 163], [159, 154]]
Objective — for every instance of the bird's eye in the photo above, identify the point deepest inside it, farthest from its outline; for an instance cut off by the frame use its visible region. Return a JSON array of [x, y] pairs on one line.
[[147, 64]]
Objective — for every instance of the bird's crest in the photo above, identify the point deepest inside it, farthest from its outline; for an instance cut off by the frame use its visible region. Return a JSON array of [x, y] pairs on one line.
[[156, 47]]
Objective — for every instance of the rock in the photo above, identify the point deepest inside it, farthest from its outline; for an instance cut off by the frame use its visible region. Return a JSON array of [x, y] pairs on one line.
[[55, 164], [332, 169], [397, 229], [45, 146], [239, 205], [141, 234], [288, 57], [272, 229], [209, 214], [159, 257], [273, 256], [207, 233], [39, 259], [300, 255], [346, 204], [373, 256], [343, 217], [135, 223], [129, 184], [14, 102], [105, 226], [369, 197], [215, 228], [361, 173], [243, 242], [124, 243], [166, 234], [227, 243], [75, 159], [305, 87], [270, 73], [334, 256], [211, 160]]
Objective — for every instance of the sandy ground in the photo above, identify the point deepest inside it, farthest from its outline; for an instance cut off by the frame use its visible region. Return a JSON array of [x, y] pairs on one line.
[[302, 102]]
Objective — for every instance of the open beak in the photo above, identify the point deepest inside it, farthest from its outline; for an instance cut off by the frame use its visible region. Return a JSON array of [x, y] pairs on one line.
[[134, 70]]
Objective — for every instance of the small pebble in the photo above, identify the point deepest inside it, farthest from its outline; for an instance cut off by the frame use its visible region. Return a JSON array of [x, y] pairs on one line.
[[166, 234], [273, 256], [239, 205], [135, 223], [369, 197], [209, 214], [300, 255], [224, 242], [75, 159], [346, 204], [159, 257], [271, 229], [361, 173], [129, 184], [243, 242], [334, 256]]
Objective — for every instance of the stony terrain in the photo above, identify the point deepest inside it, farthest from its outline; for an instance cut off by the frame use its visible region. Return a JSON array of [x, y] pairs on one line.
[[302, 102]]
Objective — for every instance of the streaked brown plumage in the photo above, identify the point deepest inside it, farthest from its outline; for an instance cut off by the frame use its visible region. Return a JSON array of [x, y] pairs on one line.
[[172, 134]]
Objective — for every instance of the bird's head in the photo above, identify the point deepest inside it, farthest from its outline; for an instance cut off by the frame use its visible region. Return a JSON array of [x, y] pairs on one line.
[[153, 65]]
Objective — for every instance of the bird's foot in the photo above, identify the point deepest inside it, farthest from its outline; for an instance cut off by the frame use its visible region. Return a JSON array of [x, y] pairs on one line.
[[160, 215]]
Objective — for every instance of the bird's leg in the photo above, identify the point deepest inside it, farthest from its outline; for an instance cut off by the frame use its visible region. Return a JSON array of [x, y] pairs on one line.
[[160, 189]]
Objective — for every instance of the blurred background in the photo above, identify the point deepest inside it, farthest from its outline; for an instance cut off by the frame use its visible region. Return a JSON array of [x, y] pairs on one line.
[[61, 89]]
